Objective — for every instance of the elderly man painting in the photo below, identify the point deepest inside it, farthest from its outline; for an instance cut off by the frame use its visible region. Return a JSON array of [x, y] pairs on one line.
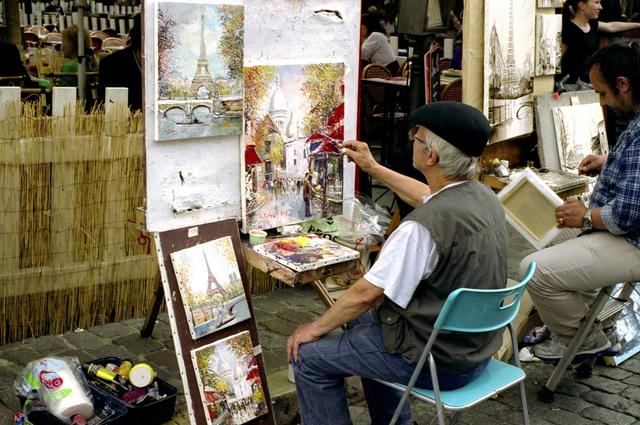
[[455, 237]]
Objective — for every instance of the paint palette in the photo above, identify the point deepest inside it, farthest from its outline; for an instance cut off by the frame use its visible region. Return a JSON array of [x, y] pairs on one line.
[[307, 252]]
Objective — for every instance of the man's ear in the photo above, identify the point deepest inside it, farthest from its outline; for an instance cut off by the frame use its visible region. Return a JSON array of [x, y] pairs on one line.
[[432, 157], [622, 84]]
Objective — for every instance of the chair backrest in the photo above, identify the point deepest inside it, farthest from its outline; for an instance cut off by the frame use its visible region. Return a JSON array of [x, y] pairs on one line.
[[482, 310], [453, 91], [99, 34], [374, 70], [38, 29], [445, 63], [113, 43], [30, 39], [52, 38], [374, 94]]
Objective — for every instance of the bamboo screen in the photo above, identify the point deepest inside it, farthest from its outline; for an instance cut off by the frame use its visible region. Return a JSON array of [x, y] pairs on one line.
[[71, 254]]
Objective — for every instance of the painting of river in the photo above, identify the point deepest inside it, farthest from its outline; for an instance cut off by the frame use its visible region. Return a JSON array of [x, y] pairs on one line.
[[199, 80]]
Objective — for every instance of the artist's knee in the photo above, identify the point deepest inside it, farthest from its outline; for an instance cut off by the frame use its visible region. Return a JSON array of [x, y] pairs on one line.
[[541, 278], [307, 357]]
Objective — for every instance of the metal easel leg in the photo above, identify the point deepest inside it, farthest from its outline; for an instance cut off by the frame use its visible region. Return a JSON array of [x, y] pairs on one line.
[[152, 315], [546, 393]]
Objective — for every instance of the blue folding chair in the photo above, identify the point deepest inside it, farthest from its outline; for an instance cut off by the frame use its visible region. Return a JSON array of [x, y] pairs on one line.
[[472, 311]]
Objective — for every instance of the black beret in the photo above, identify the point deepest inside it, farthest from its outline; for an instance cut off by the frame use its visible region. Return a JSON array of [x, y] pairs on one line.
[[462, 125]]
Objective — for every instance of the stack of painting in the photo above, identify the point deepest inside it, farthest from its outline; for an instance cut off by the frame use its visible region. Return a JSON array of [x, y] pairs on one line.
[[210, 286], [199, 70], [294, 120]]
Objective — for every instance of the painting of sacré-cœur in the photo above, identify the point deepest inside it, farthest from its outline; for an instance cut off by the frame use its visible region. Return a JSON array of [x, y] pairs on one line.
[[294, 122], [548, 39], [580, 131], [199, 81], [210, 286], [508, 88], [229, 380]]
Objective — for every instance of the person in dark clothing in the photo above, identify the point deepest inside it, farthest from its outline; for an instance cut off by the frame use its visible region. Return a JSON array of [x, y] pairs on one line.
[[580, 27], [124, 68], [11, 64]]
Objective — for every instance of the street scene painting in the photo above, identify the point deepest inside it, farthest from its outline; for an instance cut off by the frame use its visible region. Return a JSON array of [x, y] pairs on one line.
[[294, 124], [548, 40], [210, 286], [508, 90], [580, 131], [229, 380], [199, 81]]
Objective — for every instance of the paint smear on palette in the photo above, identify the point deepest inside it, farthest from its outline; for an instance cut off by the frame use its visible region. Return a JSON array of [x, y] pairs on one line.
[[294, 124], [307, 252], [229, 380]]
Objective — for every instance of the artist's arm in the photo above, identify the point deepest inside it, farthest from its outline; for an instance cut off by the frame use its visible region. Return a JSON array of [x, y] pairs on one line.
[[618, 26], [409, 190], [358, 299], [572, 212]]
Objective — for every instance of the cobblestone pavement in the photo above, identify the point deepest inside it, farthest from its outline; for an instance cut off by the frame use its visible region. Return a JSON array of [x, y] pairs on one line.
[[610, 396]]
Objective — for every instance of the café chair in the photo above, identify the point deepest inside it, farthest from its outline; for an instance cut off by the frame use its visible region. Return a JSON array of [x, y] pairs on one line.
[[99, 34], [472, 311], [374, 95], [113, 43], [52, 39], [30, 39], [452, 91], [39, 30], [445, 63], [51, 27]]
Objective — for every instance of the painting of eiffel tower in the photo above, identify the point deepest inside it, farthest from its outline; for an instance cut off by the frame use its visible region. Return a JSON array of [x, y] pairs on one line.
[[508, 66], [210, 286], [199, 69]]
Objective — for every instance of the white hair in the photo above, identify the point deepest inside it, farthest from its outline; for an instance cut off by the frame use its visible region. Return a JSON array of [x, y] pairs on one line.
[[453, 161]]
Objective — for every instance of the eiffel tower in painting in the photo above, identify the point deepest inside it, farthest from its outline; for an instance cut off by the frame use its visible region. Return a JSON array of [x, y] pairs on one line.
[[202, 77], [213, 287]]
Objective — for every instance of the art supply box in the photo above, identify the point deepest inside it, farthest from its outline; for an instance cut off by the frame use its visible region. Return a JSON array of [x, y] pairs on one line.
[[108, 411], [150, 413]]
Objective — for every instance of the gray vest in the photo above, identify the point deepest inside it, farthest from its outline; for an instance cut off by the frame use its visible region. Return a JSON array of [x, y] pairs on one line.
[[468, 227]]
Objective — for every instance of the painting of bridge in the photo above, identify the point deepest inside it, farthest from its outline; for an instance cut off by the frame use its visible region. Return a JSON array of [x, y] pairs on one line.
[[294, 122], [210, 286], [199, 70], [509, 66]]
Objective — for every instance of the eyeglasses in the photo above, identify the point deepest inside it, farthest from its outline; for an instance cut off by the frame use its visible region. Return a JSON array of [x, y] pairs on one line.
[[415, 139]]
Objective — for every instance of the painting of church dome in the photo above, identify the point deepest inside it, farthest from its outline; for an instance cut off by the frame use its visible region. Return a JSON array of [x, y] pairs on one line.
[[287, 107]]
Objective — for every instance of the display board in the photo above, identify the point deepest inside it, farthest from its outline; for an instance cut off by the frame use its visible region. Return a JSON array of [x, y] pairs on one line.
[[195, 180], [214, 329]]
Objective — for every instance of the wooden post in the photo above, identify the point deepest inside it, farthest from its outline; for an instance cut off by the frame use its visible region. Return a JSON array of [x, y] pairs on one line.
[[9, 103], [116, 110]]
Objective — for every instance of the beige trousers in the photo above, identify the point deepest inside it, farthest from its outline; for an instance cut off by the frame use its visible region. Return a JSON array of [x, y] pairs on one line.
[[570, 274]]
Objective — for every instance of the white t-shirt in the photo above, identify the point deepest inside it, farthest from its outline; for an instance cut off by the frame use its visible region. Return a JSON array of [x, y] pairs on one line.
[[407, 257], [376, 49]]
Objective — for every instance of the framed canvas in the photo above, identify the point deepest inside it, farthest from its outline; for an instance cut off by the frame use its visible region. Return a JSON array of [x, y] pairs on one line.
[[3, 15], [529, 207], [294, 123], [509, 45], [211, 287], [229, 380], [199, 70], [580, 131], [548, 39]]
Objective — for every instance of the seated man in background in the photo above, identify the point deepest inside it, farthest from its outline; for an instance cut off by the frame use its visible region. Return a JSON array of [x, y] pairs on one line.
[[456, 237], [569, 275], [124, 68]]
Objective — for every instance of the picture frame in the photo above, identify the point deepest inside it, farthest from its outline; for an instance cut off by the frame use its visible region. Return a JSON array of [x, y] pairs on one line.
[[529, 206], [3, 15]]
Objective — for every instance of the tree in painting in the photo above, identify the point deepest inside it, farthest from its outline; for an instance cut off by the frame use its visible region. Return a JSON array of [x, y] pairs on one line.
[[230, 381], [200, 51], [293, 123]]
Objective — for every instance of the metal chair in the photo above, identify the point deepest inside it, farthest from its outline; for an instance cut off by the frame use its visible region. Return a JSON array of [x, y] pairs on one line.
[[472, 311], [110, 32], [445, 63], [40, 30], [452, 91], [52, 39], [30, 39]]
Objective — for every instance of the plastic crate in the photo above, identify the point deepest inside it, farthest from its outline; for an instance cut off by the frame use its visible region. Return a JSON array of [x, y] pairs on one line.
[[152, 413], [108, 411]]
